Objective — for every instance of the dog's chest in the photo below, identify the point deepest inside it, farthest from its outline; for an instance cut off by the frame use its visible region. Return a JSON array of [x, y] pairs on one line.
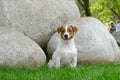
[[68, 50], [67, 53]]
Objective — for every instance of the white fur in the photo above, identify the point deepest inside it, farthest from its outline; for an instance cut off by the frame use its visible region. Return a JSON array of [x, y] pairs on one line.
[[65, 54], [66, 33]]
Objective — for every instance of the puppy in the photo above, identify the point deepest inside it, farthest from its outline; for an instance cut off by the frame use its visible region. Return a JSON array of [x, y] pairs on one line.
[[66, 52]]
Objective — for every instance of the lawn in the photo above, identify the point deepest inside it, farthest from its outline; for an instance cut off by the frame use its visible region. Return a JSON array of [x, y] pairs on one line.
[[108, 71]]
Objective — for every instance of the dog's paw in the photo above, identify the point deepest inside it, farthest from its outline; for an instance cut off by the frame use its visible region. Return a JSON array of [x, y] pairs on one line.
[[50, 64]]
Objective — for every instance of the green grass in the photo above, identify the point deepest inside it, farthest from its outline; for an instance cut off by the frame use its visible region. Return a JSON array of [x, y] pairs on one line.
[[108, 71]]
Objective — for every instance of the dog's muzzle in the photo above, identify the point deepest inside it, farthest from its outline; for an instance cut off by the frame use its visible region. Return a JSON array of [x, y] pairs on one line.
[[66, 37]]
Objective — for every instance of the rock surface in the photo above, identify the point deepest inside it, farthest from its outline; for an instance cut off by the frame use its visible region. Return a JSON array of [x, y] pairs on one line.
[[94, 43], [37, 18], [19, 50], [117, 36]]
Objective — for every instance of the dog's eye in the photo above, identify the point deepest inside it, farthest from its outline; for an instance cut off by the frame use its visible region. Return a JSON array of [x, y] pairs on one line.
[[62, 31], [69, 30]]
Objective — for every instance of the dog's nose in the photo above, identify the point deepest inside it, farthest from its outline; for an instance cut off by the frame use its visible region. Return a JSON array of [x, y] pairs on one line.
[[66, 36]]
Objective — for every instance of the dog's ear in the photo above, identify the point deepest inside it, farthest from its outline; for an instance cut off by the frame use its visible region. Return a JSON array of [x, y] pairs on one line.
[[59, 29], [75, 29]]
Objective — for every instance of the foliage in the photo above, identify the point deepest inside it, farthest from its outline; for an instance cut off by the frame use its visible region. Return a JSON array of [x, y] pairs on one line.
[[105, 10], [110, 9], [109, 71], [99, 12]]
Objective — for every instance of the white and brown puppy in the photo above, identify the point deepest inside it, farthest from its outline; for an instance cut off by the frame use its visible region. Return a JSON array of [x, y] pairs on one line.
[[66, 52]]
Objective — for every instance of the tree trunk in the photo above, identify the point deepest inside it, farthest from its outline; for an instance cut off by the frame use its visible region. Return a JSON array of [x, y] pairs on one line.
[[86, 7]]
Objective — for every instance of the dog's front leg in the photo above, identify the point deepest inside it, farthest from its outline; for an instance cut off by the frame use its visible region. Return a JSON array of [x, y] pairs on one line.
[[57, 62], [74, 62]]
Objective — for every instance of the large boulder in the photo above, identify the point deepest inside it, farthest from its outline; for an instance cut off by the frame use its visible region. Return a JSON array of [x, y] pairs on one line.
[[37, 18], [94, 43], [19, 50], [117, 36]]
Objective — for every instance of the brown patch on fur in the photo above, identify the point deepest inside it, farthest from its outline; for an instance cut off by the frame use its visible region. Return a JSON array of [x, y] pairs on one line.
[[72, 30], [75, 29], [62, 30]]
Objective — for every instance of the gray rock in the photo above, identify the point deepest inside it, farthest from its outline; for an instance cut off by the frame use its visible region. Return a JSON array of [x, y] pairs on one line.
[[117, 36], [94, 43], [37, 18], [19, 50]]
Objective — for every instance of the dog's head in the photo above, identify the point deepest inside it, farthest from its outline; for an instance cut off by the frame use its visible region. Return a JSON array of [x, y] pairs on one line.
[[67, 32]]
